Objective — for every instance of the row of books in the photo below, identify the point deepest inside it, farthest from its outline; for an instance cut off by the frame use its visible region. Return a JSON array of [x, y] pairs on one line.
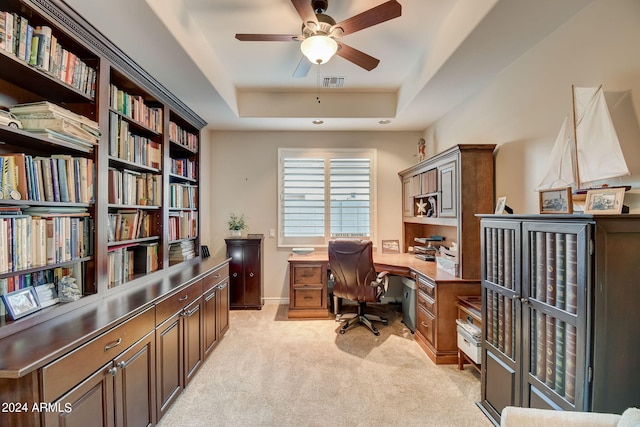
[[183, 196], [553, 354], [125, 261], [183, 225], [37, 46], [40, 280], [184, 167], [59, 178], [134, 188], [54, 122], [131, 147], [182, 251], [134, 107], [128, 224], [500, 323], [28, 241], [183, 137]]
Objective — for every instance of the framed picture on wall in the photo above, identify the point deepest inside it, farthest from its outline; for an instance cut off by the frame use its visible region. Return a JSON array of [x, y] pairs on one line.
[[556, 200]]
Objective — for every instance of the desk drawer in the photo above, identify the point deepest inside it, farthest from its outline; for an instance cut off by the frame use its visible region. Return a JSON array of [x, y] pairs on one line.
[[308, 297], [426, 325], [215, 277], [68, 371], [427, 286], [176, 302], [427, 303], [309, 274]]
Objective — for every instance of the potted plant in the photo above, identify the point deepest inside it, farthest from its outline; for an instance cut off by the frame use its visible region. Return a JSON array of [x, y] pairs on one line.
[[236, 224]]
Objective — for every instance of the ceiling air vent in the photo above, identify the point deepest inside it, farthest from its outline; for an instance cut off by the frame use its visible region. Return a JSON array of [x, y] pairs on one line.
[[333, 82]]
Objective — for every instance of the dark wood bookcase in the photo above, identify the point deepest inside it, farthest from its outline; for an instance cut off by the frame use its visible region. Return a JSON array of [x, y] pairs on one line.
[[146, 151], [560, 317]]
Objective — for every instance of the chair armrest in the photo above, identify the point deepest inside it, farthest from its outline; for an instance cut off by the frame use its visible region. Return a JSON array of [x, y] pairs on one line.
[[382, 281]]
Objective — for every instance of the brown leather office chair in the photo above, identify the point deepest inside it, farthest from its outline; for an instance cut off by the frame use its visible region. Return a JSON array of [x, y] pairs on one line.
[[355, 278]]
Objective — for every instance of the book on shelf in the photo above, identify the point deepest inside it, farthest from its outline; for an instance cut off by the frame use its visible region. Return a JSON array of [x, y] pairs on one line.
[[146, 258], [182, 251]]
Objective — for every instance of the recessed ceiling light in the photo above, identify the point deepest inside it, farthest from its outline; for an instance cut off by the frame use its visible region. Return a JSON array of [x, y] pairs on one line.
[[384, 122], [317, 122]]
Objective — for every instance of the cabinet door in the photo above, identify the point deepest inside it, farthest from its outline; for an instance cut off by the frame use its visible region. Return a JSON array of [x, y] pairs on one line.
[[447, 179], [236, 269], [88, 404], [135, 384], [210, 320], [193, 349], [501, 293], [407, 197], [554, 354], [252, 273], [169, 372], [223, 307]]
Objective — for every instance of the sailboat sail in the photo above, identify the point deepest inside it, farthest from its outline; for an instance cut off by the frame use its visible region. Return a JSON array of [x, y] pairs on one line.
[[596, 144]]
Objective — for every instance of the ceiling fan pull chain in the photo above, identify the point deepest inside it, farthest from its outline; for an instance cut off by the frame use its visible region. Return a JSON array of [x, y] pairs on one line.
[[318, 84]]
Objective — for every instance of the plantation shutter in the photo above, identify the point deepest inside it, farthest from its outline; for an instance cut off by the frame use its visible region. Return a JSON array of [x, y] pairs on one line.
[[350, 194], [303, 197]]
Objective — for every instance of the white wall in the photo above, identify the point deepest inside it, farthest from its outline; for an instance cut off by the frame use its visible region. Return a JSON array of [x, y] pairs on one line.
[[240, 171], [523, 109]]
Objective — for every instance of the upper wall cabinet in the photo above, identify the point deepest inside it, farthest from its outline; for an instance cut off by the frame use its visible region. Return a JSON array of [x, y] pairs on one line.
[[99, 166], [442, 194]]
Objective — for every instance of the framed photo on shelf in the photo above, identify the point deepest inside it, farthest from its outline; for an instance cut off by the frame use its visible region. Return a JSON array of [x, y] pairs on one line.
[[21, 302], [390, 246], [556, 200], [502, 202], [604, 201]]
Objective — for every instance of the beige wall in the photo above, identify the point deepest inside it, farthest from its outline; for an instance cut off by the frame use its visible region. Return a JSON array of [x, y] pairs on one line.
[[523, 109], [239, 174]]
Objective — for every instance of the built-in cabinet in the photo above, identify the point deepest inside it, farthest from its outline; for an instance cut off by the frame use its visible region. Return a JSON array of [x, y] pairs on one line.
[[245, 272], [559, 300], [441, 196]]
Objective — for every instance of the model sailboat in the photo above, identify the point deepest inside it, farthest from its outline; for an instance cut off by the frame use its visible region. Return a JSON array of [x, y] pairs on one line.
[[592, 151]]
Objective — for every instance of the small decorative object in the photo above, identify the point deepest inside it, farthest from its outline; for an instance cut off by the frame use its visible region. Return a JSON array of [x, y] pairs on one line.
[[556, 200], [502, 202], [21, 302], [204, 251], [604, 201], [237, 224], [432, 212], [390, 246], [47, 294], [422, 207], [421, 149], [68, 290]]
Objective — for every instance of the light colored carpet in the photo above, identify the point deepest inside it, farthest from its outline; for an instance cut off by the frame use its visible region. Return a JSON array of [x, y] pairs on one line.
[[272, 371]]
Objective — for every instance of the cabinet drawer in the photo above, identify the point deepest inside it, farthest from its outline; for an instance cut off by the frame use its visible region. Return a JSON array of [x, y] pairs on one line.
[[176, 302], [427, 303], [307, 297], [309, 274], [215, 277], [69, 370], [426, 286], [426, 325]]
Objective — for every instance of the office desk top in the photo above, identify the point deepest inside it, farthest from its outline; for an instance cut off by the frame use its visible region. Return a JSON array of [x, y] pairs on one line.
[[398, 264]]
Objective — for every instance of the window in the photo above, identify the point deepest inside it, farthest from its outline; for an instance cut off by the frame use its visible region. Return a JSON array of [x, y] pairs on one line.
[[325, 195]]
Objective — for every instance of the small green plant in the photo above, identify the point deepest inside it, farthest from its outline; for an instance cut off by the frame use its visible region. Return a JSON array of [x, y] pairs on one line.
[[237, 222]]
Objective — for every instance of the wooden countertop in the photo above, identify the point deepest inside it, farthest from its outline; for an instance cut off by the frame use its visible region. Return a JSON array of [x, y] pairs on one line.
[[399, 264], [34, 347]]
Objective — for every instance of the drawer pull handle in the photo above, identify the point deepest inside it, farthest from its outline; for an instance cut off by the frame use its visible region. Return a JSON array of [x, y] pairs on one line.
[[307, 297], [113, 344], [121, 364], [184, 298], [113, 371], [217, 276], [190, 312], [424, 324], [251, 274], [235, 274], [221, 286]]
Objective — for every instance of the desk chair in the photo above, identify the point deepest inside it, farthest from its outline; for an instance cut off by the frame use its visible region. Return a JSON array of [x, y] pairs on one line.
[[355, 278]]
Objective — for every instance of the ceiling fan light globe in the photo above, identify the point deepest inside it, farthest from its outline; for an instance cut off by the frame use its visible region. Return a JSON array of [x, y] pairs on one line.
[[319, 48]]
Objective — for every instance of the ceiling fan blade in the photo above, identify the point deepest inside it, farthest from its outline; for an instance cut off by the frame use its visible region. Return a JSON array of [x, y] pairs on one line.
[[359, 58], [384, 12], [266, 37], [304, 9], [302, 69]]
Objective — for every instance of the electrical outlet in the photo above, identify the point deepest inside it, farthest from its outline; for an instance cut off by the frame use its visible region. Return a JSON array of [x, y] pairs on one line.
[[272, 232]]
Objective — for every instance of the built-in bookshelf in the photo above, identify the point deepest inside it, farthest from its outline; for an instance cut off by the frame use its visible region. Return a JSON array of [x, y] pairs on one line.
[[101, 195]]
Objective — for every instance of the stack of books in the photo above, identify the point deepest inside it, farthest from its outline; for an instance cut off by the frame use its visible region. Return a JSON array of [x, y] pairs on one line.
[[182, 251], [426, 253], [59, 124]]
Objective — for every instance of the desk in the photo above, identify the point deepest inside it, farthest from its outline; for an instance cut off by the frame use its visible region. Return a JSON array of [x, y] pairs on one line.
[[436, 297]]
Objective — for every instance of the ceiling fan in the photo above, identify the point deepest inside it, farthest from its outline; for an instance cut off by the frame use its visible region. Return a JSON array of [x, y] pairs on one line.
[[320, 33]]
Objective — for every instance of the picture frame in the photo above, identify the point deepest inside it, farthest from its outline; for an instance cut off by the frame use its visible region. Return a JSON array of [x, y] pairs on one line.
[[500, 205], [21, 302], [390, 246], [604, 201], [556, 201]]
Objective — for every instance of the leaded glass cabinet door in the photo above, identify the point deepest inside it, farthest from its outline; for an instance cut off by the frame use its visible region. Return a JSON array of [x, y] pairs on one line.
[[501, 294], [555, 304]]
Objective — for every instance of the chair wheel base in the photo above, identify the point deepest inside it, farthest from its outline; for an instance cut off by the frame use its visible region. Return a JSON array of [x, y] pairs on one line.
[[342, 331]]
